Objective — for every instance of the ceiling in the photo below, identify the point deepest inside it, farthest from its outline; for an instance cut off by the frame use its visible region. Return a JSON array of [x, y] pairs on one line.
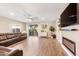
[[32, 12]]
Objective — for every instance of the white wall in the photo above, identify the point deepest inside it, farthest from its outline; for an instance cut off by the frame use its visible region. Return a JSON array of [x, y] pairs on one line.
[[58, 32], [72, 35], [6, 25]]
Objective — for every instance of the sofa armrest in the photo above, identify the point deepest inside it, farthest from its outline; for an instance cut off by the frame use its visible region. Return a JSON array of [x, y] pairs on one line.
[[16, 52], [5, 48]]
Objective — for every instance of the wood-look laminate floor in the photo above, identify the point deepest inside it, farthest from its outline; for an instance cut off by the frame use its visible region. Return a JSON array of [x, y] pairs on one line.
[[34, 46]]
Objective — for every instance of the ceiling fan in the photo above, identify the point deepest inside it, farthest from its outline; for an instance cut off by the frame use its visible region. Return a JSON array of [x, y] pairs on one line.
[[29, 16]]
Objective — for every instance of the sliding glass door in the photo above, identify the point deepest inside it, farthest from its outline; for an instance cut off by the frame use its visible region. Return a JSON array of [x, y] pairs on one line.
[[33, 31]]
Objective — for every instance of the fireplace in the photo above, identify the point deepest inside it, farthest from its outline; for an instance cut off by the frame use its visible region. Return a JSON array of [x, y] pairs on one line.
[[70, 45]]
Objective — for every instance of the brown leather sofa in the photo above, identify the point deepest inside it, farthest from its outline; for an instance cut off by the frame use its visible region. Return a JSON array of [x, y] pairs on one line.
[[5, 51], [7, 39]]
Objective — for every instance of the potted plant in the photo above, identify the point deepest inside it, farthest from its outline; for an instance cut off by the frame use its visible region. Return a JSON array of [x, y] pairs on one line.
[[52, 29]]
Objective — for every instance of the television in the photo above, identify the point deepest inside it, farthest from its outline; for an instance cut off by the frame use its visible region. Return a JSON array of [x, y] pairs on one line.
[[69, 15]]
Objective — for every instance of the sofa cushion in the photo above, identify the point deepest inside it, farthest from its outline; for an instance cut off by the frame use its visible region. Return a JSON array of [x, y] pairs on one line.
[[9, 42], [10, 36], [2, 37], [5, 41]]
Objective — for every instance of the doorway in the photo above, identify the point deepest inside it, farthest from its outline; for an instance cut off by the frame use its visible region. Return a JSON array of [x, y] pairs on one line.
[[33, 30]]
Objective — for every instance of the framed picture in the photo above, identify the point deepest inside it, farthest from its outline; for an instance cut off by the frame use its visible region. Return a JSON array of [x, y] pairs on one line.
[[44, 26]]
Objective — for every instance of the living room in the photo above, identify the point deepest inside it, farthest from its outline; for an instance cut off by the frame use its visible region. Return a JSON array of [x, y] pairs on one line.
[[25, 24], [39, 29]]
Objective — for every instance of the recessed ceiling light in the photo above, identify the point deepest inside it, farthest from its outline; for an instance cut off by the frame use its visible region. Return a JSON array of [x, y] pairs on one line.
[[28, 20], [42, 18], [12, 13]]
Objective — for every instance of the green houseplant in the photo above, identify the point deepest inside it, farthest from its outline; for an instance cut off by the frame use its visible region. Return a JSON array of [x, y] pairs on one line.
[[52, 29]]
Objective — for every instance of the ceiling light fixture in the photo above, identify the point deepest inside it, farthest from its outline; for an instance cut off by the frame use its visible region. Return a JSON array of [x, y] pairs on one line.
[[29, 20], [11, 13]]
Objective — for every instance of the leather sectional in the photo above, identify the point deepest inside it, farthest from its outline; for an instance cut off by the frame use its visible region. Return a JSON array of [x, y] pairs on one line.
[[7, 39]]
